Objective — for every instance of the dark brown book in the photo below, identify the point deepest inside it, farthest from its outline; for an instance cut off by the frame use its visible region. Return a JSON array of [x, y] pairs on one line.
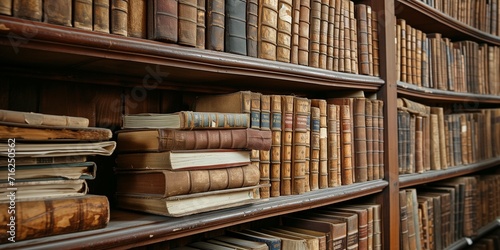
[[167, 183], [403, 210], [287, 108], [136, 25], [82, 14], [163, 20], [359, 124], [268, 25], [215, 22], [200, 24], [363, 43], [401, 25], [188, 15], [351, 219], [27, 9], [362, 223], [315, 149], [276, 130], [101, 15], [252, 26], [43, 217], [333, 146], [6, 7], [51, 133], [284, 39], [235, 30], [323, 141], [375, 44], [301, 113], [119, 17], [59, 12], [335, 230], [315, 33]]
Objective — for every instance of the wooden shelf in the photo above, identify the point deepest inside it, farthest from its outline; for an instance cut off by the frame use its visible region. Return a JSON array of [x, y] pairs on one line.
[[129, 229], [467, 241], [430, 20], [408, 180]]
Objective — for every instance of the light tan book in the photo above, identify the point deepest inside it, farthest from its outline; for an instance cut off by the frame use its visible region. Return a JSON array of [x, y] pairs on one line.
[[205, 245], [320, 235], [301, 113], [312, 241], [268, 25], [42, 119], [286, 144], [283, 50], [276, 130], [25, 149], [70, 171], [43, 188], [288, 241]]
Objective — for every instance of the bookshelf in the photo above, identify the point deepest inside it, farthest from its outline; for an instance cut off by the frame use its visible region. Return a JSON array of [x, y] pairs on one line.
[[38, 58]]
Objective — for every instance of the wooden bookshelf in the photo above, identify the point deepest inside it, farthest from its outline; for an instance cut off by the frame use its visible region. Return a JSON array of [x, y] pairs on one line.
[[467, 241]]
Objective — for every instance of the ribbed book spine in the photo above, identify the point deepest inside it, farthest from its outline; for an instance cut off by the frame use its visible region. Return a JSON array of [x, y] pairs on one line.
[[276, 130], [163, 20], [284, 40], [301, 113], [236, 39], [188, 15], [361, 167], [101, 15], [346, 142], [268, 25], [6, 7], [286, 144], [333, 145], [82, 14], [323, 34], [200, 24], [28, 9], [58, 12], [215, 25], [315, 149], [362, 22], [137, 19], [119, 17], [314, 37], [252, 27]]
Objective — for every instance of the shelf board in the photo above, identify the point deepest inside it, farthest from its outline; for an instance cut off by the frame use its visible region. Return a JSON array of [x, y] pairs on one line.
[[28, 44], [430, 20], [431, 94], [136, 229], [467, 241], [408, 180]]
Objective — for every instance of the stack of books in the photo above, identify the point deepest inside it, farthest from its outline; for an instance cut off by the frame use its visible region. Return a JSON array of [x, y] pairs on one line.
[[187, 162], [45, 169]]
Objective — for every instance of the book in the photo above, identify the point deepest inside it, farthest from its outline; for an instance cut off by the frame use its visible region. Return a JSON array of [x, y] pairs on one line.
[[70, 171], [320, 236], [301, 115], [352, 223], [83, 14], [159, 140], [284, 29], [346, 141], [187, 20], [315, 30], [215, 23], [265, 154], [377, 166], [182, 205], [304, 19], [369, 139], [205, 245], [294, 48], [323, 142], [27, 149], [240, 102], [273, 243], [333, 129], [288, 241], [6, 7], [136, 22], [404, 234], [200, 24], [323, 34], [41, 188], [163, 20], [334, 230], [362, 222], [101, 16], [361, 13], [32, 118], [252, 17], [119, 17], [287, 108], [359, 122], [27, 9], [23, 161], [247, 244], [167, 183], [53, 133], [276, 131], [186, 120], [314, 149], [54, 216], [59, 12], [235, 32], [330, 35], [268, 25]]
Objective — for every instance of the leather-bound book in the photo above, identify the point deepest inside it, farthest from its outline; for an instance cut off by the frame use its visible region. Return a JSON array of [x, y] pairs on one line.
[[101, 15], [442, 142], [323, 142], [188, 15], [359, 122], [315, 149], [338, 23], [294, 54], [314, 36], [330, 35], [6, 7], [284, 41], [335, 230], [419, 145], [435, 152], [137, 19], [351, 220], [308, 148], [119, 17], [323, 34], [369, 138], [363, 49], [362, 223], [286, 144], [380, 127], [82, 14], [346, 145], [401, 24], [370, 37], [252, 26], [403, 215], [268, 25], [235, 32], [163, 20], [264, 154], [345, 33], [333, 146], [376, 160], [276, 128], [200, 24], [375, 44], [42, 119], [301, 113], [59, 12], [305, 10], [354, 39], [215, 25], [27, 9]]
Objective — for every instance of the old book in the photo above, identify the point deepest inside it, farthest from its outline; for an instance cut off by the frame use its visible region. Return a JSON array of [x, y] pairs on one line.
[[136, 22], [252, 26], [359, 122], [315, 30], [59, 12], [272, 242], [70, 171], [184, 159], [27, 9], [44, 217], [375, 44], [435, 148], [294, 50], [363, 49], [188, 15], [435, 200], [200, 24], [276, 131], [241, 102], [29, 149], [207, 245], [346, 142], [6, 7], [163, 20], [351, 220], [323, 142], [308, 148], [337, 38], [119, 17], [323, 34], [335, 230], [403, 210], [376, 149], [369, 138], [265, 154], [101, 16], [23, 161], [373, 224], [333, 164], [215, 22], [158, 140], [412, 212], [182, 205], [402, 47], [284, 29], [345, 38], [187, 120], [42, 119], [52, 133], [301, 113], [82, 14], [442, 142], [330, 35], [314, 149], [321, 236], [381, 144], [354, 40], [247, 244], [362, 223], [235, 32], [419, 145], [289, 241], [167, 183], [287, 108], [268, 25], [42, 188], [425, 222]]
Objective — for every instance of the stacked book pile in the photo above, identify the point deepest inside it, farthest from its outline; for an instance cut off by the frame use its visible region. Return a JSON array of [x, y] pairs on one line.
[[187, 162], [45, 172]]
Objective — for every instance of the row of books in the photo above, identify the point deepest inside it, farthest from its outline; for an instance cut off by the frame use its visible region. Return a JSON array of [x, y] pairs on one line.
[[46, 172], [489, 242], [356, 226], [333, 35], [434, 61], [483, 15], [434, 138], [436, 215]]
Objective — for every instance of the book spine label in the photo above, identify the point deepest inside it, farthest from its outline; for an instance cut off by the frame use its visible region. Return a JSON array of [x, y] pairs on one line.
[[187, 11]]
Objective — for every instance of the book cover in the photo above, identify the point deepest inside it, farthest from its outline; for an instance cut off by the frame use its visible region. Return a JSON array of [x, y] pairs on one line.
[[272, 243], [287, 108], [162, 19], [301, 114], [44, 188], [69, 171], [334, 230], [53, 133]]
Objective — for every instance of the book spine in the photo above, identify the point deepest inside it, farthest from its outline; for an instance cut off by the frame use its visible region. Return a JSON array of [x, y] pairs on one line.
[[404, 244], [264, 155], [187, 21], [345, 36], [268, 29], [380, 117], [333, 156], [314, 36], [136, 23], [58, 12], [6, 7], [200, 24], [315, 149], [294, 51], [346, 142], [354, 39], [252, 26], [283, 49], [362, 22], [337, 49], [27, 9], [323, 34], [435, 152], [101, 16], [375, 43], [419, 147], [300, 118], [307, 186], [330, 33], [361, 167], [376, 160], [235, 32], [82, 14], [215, 25], [276, 128], [119, 17], [163, 20], [211, 120], [369, 139], [323, 142], [286, 145]]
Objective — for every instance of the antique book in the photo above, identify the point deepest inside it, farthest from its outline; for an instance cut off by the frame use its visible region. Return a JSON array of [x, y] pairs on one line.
[[158, 140], [376, 149], [70, 171], [373, 224], [295, 16], [276, 131], [425, 222], [252, 27], [235, 32], [362, 223], [333, 164], [288, 241], [210, 245], [182, 205], [403, 226], [184, 159], [380, 127], [42, 189], [287, 108], [272, 242], [363, 49], [240, 102], [330, 35], [323, 34], [419, 145], [23, 161], [308, 149], [413, 223], [301, 113], [186, 120], [375, 43], [314, 149], [338, 51], [54, 216], [136, 22], [435, 200], [247, 244], [352, 222], [33, 149], [345, 33], [200, 24], [265, 154], [163, 20], [27, 9], [100, 16], [442, 142], [314, 36], [354, 39], [402, 47], [52, 133], [215, 22], [59, 12], [323, 142], [435, 148], [334, 230], [346, 142], [268, 26], [42, 119], [369, 139], [187, 16], [119, 17], [6, 7], [359, 122], [167, 183], [284, 31], [321, 236], [82, 14]]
